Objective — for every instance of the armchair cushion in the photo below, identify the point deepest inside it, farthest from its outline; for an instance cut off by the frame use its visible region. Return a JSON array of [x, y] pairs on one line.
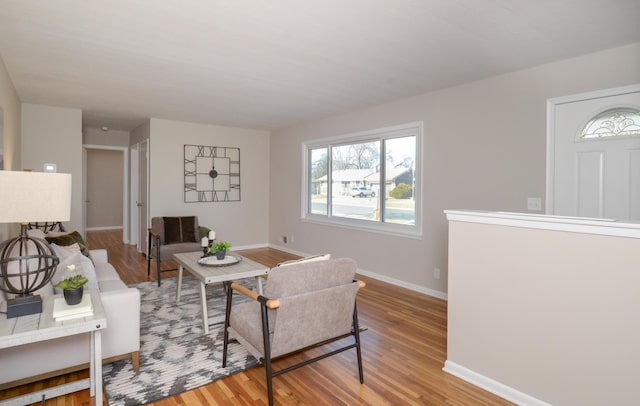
[[309, 276], [307, 319], [180, 229], [158, 227]]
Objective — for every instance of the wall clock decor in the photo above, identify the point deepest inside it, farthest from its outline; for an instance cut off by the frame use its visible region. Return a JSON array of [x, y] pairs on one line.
[[211, 174]]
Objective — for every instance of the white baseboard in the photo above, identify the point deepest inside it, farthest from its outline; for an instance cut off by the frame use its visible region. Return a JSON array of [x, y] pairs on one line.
[[104, 228], [411, 286], [383, 278], [289, 250], [249, 247], [490, 385]]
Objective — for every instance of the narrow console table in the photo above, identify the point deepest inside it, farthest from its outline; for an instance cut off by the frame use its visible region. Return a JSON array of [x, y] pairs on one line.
[[42, 327]]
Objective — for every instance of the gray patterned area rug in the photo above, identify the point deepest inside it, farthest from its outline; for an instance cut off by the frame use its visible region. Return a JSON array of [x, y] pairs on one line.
[[175, 356]]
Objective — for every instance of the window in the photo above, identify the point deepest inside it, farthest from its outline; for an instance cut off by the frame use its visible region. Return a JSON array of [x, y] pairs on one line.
[[613, 123], [367, 180]]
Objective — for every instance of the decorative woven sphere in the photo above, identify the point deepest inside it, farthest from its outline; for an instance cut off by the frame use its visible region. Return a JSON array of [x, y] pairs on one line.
[[26, 265]]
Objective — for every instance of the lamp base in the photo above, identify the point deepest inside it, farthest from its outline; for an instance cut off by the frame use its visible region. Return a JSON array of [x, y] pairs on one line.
[[24, 306]]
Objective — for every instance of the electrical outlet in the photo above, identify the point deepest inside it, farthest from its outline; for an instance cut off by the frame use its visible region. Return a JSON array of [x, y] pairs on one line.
[[436, 273], [283, 238], [534, 204]]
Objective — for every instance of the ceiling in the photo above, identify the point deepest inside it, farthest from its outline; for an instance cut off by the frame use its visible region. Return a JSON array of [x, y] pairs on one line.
[[273, 64]]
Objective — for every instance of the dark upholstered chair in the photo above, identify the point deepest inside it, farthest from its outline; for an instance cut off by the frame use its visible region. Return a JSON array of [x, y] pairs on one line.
[[304, 305], [171, 235]]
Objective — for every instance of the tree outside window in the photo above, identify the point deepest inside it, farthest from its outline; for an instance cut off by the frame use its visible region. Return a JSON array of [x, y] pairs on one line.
[[366, 180]]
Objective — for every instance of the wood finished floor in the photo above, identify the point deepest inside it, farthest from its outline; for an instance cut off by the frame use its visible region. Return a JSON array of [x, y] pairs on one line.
[[403, 351]]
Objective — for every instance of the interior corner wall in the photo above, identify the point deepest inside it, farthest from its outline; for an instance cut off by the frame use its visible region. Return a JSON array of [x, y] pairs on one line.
[[110, 138], [10, 133], [54, 135], [484, 148], [11, 113], [244, 222], [140, 133]]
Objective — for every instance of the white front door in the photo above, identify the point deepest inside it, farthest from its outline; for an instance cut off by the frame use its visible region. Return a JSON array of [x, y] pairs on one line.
[[593, 177]]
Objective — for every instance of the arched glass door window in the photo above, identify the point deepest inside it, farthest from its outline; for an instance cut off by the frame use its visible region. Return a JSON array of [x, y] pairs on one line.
[[618, 122]]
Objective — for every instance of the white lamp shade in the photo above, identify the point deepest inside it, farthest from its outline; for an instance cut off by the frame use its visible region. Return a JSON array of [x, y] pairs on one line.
[[34, 197]]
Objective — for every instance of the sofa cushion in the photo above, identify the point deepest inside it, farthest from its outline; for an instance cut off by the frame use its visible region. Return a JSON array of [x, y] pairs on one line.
[[180, 229], [69, 239], [111, 285], [106, 272]]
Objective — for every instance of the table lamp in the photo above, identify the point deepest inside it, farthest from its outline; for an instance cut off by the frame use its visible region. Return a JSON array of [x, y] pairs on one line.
[[28, 263]]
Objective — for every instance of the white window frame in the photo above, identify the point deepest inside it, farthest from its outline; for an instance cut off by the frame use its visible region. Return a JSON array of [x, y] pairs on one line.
[[404, 230]]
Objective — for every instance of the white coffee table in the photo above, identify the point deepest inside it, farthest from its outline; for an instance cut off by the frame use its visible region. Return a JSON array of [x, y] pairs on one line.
[[246, 268]]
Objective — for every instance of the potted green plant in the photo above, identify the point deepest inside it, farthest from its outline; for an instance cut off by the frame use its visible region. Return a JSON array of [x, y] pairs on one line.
[[220, 249], [72, 286]]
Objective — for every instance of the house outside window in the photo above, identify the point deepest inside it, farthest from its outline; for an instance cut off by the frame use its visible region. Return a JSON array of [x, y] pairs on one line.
[[368, 180]]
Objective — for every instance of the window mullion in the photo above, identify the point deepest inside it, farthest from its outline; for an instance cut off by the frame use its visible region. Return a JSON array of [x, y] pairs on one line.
[[383, 180], [329, 181]]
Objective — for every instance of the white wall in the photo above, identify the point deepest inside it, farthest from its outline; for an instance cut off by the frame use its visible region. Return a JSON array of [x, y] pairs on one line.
[[10, 106], [54, 135], [484, 148], [244, 222], [140, 133], [551, 314], [111, 138], [10, 140]]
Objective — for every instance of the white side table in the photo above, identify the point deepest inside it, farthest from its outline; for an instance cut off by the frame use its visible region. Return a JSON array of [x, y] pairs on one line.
[[42, 327]]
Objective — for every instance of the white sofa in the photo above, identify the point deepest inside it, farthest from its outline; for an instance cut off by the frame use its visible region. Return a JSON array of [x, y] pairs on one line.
[[120, 339]]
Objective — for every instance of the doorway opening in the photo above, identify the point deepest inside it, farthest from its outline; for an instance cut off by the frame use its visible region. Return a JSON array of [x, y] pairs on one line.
[[106, 188]]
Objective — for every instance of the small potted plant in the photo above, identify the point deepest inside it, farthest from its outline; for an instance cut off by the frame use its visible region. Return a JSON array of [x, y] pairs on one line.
[[73, 286], [220, 249]]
